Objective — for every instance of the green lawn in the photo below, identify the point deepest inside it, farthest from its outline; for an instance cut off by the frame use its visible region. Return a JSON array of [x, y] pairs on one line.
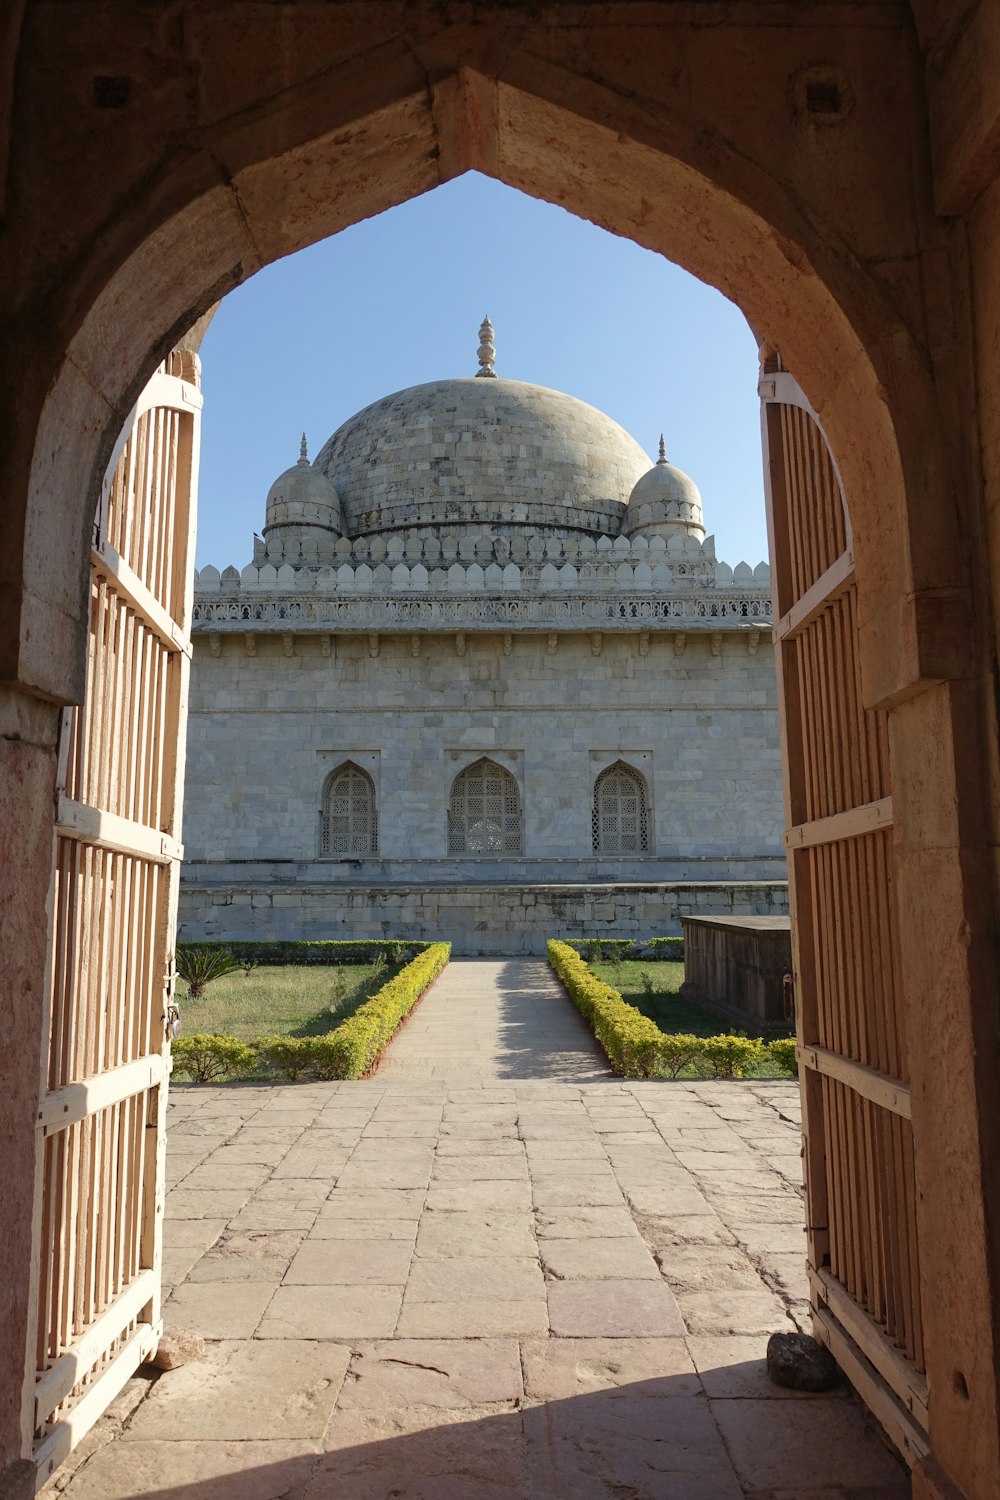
[[281, 1001], [654, 989]]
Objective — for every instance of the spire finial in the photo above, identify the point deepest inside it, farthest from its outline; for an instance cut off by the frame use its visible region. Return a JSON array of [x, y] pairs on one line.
[[487, 354], [663, 451], [303, 451]]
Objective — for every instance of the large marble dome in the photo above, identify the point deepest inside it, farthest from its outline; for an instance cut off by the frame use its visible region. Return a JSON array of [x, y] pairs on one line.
[[502, 453]]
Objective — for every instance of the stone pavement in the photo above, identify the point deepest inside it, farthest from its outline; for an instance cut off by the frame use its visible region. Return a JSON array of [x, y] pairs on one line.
[[496, 1019], [483, 1290]]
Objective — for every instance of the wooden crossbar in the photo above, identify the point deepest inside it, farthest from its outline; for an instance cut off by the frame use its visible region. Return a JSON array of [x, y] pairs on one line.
[[65, 1435], [108, 564], [77, 1100], [78, 820], [56, 1383], [908, 1384], [829, 586], [852, 824], [888, 1093]]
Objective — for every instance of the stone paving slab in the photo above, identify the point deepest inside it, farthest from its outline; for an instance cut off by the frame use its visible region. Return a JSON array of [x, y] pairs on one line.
[[566, 1293]]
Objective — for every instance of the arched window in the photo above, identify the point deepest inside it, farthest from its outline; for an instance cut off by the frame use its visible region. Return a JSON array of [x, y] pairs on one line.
[[620, 819], [484, 813], [348, 821]]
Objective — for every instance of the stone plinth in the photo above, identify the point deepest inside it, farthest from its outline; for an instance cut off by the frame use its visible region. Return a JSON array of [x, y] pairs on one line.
[[737, 964]]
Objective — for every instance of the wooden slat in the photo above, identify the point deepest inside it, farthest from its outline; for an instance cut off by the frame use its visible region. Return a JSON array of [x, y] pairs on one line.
[[846, 825], [105, 830], [56, 1383], [67, 1105]]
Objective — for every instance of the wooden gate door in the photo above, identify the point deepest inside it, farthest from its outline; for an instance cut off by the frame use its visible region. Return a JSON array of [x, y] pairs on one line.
[[102, 1109], [850, 1013]]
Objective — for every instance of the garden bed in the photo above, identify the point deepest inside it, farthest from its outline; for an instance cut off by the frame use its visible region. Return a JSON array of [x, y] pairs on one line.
[[334, 1026], [649, 1030]]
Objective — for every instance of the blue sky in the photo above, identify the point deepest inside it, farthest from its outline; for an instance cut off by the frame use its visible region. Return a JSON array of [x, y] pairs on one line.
[[398, 299]]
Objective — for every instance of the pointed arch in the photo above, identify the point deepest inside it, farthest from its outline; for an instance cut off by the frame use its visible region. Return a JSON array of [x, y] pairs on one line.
[[620, 818], [348, 819], [484, 811]]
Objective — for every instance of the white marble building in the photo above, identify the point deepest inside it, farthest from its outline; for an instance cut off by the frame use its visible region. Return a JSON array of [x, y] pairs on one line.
[[483, 677]]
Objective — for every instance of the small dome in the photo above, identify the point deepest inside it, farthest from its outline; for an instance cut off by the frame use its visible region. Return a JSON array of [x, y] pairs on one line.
[[665, 501], [303, 497]]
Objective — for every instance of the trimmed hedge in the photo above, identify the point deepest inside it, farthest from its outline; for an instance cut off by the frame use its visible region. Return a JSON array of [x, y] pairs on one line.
[[631, 1040], [637, 1048], [348, 1051], [336, 951]]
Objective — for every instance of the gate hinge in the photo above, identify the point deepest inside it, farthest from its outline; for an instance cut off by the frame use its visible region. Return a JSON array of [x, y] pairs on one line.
[[788, 997]]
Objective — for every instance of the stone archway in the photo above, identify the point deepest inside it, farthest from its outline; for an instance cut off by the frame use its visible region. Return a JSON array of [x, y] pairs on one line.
[[579, 116]]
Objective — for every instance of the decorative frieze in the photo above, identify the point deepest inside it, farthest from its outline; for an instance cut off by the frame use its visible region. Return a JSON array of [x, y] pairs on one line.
[[582, 611]]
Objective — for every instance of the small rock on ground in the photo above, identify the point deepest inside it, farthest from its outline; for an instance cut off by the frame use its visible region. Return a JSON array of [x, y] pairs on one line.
[[176, 1347], [800, 1362]]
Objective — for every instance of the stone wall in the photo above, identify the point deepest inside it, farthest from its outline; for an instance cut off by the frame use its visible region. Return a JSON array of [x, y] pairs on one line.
[[697, 719], [484, 919]]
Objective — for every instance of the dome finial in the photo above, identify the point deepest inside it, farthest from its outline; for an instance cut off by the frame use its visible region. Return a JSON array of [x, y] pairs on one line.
[[487, 354], [303, 451], [663, 451]]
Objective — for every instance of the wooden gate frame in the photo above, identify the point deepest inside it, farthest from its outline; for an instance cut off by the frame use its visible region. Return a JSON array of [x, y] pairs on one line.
[[858, 1189], [100, 1191]]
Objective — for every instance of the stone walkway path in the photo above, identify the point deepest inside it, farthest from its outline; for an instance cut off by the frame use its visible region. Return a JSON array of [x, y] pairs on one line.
[[484, 1290], [495, 1019]]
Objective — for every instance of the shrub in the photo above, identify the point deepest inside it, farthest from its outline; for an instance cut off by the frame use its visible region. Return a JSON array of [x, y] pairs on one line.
[[208, 1059], [199, 963], [678, 1051], [670, 948], [731, 1056], [288, 1056], [630, 1039], [782, 1052]]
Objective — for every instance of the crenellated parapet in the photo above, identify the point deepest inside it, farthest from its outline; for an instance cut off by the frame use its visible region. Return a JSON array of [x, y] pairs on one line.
[[486, 563], [489, 580]]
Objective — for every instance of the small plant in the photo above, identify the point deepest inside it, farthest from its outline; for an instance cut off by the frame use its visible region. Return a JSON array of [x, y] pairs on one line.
[[398, 953], [379, 965], [208, 1059], [648, 984], [732, 1056], [199, 963], [340, 992], [679, 1051], [248, 965], [782, 1051], [593, 951]]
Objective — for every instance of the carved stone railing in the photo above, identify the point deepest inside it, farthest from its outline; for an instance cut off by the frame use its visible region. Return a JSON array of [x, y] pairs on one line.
[[703, 611]]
